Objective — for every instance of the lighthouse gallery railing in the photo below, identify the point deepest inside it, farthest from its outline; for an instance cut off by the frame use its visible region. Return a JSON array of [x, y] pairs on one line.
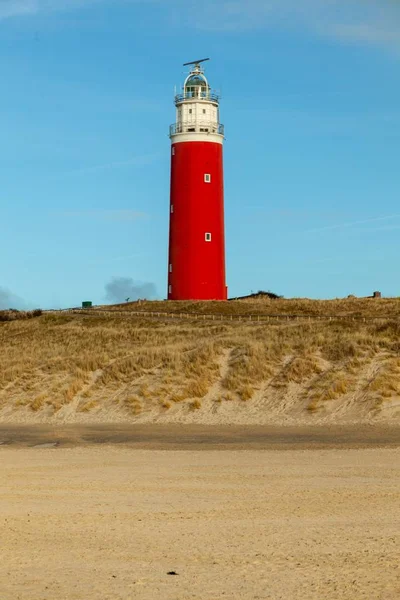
[[198, 128], [196, 96]]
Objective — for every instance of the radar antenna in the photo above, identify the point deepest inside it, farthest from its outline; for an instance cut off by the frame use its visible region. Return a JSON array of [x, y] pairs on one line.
[[195, 62]]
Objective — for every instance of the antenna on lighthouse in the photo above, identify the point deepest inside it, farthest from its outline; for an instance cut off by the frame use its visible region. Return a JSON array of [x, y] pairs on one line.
[[195, 62]]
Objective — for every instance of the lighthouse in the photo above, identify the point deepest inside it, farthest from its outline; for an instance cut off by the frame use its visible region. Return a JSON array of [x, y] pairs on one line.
[[196, 264]]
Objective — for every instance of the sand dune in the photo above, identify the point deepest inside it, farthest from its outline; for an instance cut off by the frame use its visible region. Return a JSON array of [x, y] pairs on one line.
[[117, 367], [273, 402]]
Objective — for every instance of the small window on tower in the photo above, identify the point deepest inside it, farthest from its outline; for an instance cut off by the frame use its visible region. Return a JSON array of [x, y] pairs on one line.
[[190, 111], [172, 208], [170, 268], [170, 289], [173, 151], [208, 237], [207, 178], [204, 111]]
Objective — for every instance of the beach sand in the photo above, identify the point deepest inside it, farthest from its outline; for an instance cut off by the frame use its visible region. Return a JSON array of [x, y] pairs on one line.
[[109, 522]]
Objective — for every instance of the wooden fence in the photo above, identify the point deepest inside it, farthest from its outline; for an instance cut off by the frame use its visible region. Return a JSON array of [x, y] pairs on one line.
[[261, 318]]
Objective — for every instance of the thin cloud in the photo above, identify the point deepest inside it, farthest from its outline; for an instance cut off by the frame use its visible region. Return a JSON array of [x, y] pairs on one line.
[[10, 300], [115, 259], [18, 8], [14, 8], [135, 161], [387, 228], [366, 22], [371, 22], [301, 122], [107, 215], [354, 224]]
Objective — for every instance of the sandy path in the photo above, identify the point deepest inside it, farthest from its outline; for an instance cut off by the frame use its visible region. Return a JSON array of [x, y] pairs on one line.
[[109, 523], [203, 437]]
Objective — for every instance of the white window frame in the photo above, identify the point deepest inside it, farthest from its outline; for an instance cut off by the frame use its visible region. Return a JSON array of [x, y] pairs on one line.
[[172, 208], [170, 289], [208, 237], [173, 151], [170, 267], [207, 178]]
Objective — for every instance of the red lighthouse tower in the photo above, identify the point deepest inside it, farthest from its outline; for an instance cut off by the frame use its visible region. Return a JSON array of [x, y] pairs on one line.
[[196, 269]]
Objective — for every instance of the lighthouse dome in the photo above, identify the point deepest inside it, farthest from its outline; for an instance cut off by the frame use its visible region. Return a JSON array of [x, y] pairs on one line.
[[196, 85], [196, 80]]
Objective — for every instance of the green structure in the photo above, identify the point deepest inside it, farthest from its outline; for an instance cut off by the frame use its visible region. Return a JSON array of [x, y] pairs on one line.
[[87, 304]]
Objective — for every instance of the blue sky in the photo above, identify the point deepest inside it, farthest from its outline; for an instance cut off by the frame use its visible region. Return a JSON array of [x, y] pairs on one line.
[[311, 107]]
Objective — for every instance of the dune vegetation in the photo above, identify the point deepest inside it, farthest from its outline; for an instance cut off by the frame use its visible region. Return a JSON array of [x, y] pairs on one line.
[[18, 315], [341, 307], [94, 366]]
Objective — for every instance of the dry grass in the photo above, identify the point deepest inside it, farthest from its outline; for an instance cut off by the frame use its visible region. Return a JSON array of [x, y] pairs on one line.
[[385, 385], [353, 307], [134, 404], [297, 370], [245, 392], [330, 386], [141, 364], [38, 402], [88, 406], [251, 362], [196, 389], [16, 315], [195, 405]]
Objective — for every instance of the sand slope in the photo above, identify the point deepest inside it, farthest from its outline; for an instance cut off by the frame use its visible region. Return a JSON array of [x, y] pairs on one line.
[[117, 367], [276, 401]]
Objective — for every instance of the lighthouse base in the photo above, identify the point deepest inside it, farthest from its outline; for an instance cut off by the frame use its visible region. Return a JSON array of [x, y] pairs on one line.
[[206, 297]]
